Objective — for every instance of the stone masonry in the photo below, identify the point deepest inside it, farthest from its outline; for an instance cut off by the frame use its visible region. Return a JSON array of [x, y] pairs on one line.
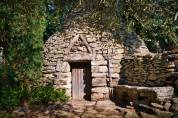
[[79, 42], [149, 70]]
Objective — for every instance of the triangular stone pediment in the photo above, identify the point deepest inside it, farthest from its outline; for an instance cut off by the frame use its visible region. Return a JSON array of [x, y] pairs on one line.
[[77, 44]]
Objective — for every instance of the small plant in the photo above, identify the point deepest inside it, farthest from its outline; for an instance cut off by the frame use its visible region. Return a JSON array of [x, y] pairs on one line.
[[9, 97], [4, 114], [46, 94], [15, 96]]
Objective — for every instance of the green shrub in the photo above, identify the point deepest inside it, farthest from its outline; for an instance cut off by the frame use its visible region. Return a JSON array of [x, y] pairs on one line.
[[5, 114], [46, 94], [13, 96]]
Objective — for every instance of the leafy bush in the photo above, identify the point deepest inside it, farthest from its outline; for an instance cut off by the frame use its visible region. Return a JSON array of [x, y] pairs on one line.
[[13, 96], [153, 21], [45, 94], [5, 114]]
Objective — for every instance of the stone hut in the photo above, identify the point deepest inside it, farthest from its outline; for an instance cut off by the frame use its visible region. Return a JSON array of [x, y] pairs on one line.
[[82, 59]]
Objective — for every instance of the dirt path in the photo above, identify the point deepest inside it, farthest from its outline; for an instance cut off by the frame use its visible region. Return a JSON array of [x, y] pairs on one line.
[[77, 109]]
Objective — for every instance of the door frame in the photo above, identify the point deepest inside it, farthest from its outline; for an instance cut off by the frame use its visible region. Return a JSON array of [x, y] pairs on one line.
[[87, 79]]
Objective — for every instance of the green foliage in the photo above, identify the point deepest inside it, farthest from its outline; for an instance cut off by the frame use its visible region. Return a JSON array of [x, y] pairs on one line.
[[100, 12], [57, 11], [43, 95], [25, 49], [5, 114], [153, 20], [22, 27], [13, 96]]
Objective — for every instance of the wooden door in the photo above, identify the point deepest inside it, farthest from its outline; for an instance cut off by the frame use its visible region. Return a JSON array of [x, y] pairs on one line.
[[81, 81]]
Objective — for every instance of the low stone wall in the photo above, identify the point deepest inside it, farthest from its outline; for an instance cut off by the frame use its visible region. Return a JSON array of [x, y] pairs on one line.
[[149, 102], [173, 56], [149, 70], [153, 94]]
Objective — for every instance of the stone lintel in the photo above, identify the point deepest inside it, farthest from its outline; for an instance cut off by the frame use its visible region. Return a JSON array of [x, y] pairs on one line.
[[78, 57]]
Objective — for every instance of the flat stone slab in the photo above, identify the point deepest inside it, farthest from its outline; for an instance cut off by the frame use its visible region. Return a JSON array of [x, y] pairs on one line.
[[152, 93]]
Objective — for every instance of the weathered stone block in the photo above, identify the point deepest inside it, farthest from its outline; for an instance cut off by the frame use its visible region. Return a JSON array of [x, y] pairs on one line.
[[119, 51], [167, 106], [99, 57], [99, 82], [118, 57], [113, 65], [152, 77], [152, 93], [166, 91], [64, 75], [54, 56], [49, 68], [56, 52], [114, 75], [96, 96], [98, 63], [49, 63], [103, 39], [106, 34], [48, 76], [62, 66], [78, 57], [68, 86], [99, 69], [93, 45], [91, 39], [99, 75], [83, 49], [63, 81], [115, 70], [114, 61], [156, 105], [175, 100], [100, 90]]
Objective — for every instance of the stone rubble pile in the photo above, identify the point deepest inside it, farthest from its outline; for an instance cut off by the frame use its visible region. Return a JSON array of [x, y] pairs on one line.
[[149, 102]]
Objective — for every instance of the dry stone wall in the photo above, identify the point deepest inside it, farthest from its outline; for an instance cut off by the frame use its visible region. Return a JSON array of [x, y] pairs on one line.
[[149, 85], [76, 43], [149, 102], [149, 70], [173, 56], [153, 94]]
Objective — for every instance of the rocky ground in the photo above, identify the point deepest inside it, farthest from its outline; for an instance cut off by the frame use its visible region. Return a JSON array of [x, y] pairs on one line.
[[80, 109], [99, 109]]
